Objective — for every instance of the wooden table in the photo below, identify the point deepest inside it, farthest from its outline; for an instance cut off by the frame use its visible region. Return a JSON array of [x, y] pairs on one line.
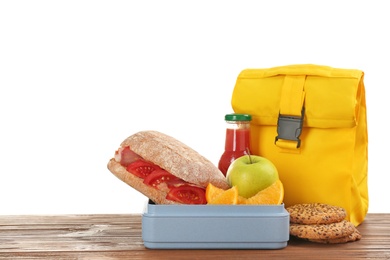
[[119, 237]]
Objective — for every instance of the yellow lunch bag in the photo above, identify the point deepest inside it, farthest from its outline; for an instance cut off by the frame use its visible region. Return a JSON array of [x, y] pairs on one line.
[[310, 121]]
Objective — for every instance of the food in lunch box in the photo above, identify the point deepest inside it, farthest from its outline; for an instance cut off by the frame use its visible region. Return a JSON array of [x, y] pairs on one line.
[[272, 195], [321, 223], [164, 169], [217, 196], [251, 174]]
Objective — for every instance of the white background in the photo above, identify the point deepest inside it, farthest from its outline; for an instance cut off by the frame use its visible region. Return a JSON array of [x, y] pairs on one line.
[[78, 77]]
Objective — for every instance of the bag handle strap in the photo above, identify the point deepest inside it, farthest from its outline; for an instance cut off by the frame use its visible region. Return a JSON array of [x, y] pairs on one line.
[[291, 112]]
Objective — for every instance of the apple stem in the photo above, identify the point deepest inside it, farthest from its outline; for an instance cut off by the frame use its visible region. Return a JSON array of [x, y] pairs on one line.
[[249, 155]]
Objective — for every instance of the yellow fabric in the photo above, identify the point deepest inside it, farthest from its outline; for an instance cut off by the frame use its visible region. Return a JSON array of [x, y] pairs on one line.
[[292, 95], [330, 166]]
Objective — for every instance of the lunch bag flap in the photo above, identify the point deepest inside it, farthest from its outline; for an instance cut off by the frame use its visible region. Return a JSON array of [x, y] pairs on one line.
[[330, 95]]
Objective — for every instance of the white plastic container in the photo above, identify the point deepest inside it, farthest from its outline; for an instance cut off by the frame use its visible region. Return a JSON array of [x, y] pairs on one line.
[[215, 227]]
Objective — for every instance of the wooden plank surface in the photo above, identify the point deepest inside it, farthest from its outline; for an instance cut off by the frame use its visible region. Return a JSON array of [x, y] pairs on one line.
[[119, 237]]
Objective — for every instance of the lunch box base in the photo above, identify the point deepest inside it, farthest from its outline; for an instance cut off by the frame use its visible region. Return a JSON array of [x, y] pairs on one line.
[[215, 226]]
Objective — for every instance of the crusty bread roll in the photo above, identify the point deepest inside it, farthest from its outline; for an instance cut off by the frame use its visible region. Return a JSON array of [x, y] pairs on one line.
[[171, 155]]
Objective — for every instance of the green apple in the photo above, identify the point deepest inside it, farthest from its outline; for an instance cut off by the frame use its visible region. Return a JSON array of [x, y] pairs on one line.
[[251, 174]]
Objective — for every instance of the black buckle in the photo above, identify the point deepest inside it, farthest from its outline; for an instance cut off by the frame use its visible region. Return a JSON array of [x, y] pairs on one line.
[[290, 127]]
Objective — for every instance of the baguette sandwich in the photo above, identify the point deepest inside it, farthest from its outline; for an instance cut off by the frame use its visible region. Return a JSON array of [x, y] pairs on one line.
[[164, 169]]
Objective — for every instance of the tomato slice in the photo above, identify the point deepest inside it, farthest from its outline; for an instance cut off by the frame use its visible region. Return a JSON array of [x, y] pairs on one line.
[[127, 156], [160, 176], [187, 194], [142, 168]]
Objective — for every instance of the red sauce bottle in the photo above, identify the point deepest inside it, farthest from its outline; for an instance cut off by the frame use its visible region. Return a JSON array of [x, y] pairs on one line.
[[237, 142]]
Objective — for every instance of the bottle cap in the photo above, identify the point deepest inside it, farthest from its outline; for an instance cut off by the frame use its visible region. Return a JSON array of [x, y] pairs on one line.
[[238, 117]]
